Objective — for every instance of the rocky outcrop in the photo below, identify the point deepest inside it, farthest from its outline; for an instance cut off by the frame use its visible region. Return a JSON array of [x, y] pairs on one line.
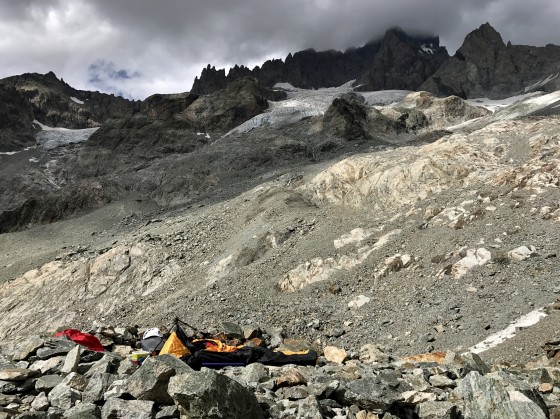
[[16, 131], [56, 104], [484, 66], [398, 61]]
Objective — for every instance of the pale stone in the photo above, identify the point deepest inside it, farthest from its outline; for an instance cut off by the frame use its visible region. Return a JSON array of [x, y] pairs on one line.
[[334, 354]]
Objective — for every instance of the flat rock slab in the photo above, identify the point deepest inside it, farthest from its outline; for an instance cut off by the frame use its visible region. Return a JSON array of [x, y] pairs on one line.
[[17, 374]]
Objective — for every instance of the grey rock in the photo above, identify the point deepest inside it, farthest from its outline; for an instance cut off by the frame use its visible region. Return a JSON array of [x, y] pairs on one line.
[[107, 364], [206, 394], [251, 331], [55, 348], [150, 381], [374, 392], [232, 330], [126, 367], [40, 403], [72, 361], [167, 412], [48, 366], [487, 397], [116, 389], [441, 381], [370, 354], [27, 347], [127, 409], [83, 411], [17, 374], [47, 382], [75, 381], [255, 373], [64, 397], [437, 410], [473, 362], [309, 408], [7, 387], [294, 393], [6, 400], [97, 386]]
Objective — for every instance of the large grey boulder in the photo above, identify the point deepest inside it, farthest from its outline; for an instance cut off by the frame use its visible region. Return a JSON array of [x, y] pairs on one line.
[[150, 381], [55, 348], [98, 384], [487, 397], [206, 394], [437, 410], [83, 411], [127, 409], [40, 403], [47, 382], [72, 361], [374, 392], [64, 397], [17, 374], [26, 348]]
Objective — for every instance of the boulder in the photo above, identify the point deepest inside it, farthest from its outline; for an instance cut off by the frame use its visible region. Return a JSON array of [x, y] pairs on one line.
[[372, 354], [150, 381], [97, 386], [40, 403], [83, 411], [232, 330], [334, 354], [27, 347], [47, 382], [292, 377], [75, 381], [374, 392], [17, 374], [167, 412], [206, 394], [487, 397], [522, 253], [255, 373], [437, 410], [72, 361], [64, 397], [55, 348], [48, 366], [127, 409]]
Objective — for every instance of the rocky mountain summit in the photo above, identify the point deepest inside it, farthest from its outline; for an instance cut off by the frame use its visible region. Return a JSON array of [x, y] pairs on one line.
[[398, 61], [484, 66]]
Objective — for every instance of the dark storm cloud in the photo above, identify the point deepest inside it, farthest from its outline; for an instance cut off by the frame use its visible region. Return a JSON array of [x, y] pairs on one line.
[[168, 42]]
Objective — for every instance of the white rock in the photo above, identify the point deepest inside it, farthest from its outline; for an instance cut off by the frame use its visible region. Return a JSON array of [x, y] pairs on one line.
[[359, 301], [522, 253]]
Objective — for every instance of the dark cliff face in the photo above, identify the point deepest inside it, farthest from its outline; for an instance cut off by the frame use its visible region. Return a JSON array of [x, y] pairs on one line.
[[398, 61], [55, 103], [485, 66], [16, 116]]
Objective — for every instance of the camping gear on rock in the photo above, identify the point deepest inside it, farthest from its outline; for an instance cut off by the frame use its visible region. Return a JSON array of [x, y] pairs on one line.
[[152, 341], [137, 357], [213, 353], [84, 339]]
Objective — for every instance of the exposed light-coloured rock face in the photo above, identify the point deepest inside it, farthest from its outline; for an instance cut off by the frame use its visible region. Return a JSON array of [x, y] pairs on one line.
[[408, 175], [478, 257], [319, 269], [59, 292]]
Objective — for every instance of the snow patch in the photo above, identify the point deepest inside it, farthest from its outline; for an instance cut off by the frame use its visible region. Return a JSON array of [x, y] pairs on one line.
[[50, 137], [542, 82], [494, 105], [491, 341], [384, 97], [11, 153], [427, 48], [76, 100]]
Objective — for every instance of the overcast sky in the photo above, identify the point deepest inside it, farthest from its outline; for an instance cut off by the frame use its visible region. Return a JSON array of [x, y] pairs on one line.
[[140, 47]]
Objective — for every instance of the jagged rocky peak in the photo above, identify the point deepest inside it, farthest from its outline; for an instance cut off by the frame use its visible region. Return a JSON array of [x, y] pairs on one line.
[[485, 40], [315, 69]]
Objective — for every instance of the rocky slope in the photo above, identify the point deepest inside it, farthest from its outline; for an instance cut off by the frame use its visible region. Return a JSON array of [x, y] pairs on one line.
[[414, 243]]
